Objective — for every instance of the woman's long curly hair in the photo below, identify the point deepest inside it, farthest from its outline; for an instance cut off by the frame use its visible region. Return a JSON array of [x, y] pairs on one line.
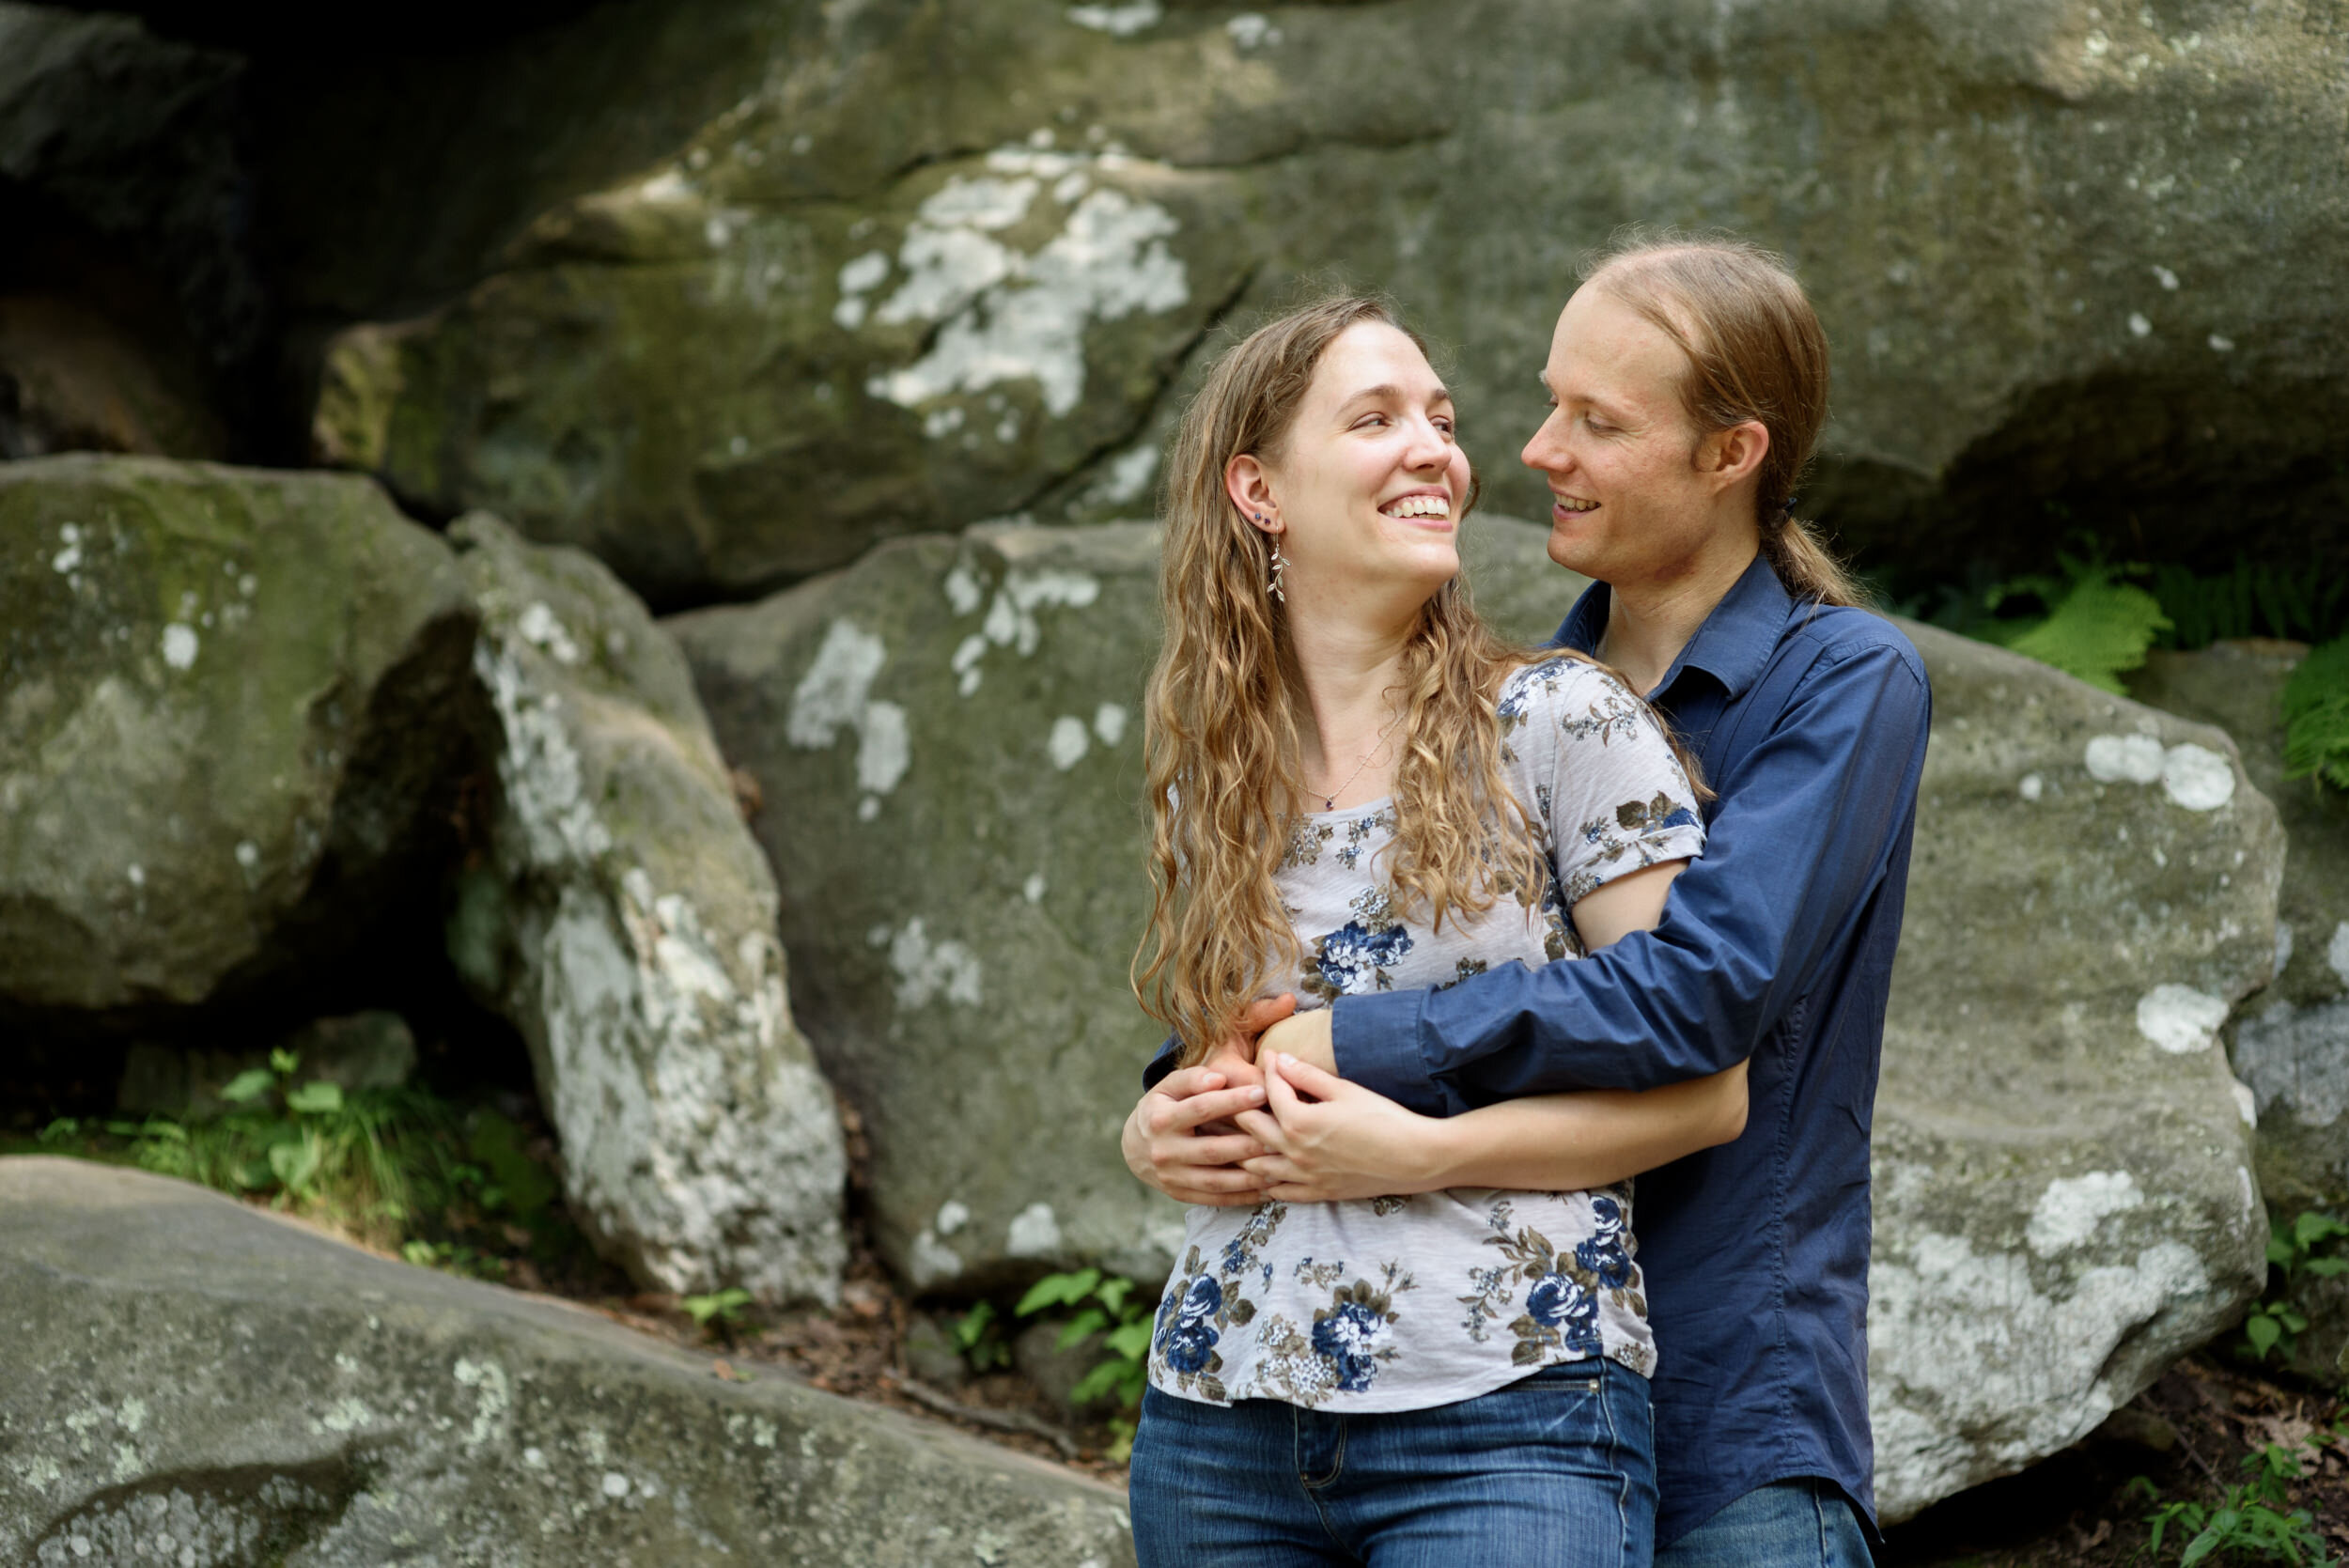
[[1220, 732]]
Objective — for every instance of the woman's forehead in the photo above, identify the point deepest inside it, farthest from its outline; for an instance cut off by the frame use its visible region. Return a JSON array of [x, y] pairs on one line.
[[1373, 358]]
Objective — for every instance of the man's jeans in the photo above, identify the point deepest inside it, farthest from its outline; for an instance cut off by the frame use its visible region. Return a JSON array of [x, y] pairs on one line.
[[1793, 1524], [1557, 1468]]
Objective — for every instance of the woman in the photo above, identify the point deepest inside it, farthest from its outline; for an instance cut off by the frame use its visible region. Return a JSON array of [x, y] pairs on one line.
[[1424, 1342]]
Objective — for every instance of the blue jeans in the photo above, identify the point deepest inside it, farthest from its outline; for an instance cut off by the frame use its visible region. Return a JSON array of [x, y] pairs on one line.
[[1788, 1523], [1557, 1468]]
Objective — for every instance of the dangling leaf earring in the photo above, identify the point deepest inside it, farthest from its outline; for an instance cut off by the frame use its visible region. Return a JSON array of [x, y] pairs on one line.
[[1278, 560]]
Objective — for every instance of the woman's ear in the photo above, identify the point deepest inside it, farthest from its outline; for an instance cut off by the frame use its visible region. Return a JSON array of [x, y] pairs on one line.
[[1250, 489]]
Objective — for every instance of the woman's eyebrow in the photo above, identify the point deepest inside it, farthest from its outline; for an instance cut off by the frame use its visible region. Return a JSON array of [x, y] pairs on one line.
[[1389, 393]]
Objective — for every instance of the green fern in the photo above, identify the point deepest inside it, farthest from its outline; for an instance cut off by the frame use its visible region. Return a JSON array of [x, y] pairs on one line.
[[2254, 599], [2316, 716], [2096, 627]]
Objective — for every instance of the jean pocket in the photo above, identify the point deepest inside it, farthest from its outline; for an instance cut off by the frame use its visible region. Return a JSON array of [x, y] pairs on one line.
[[1573, 1377]]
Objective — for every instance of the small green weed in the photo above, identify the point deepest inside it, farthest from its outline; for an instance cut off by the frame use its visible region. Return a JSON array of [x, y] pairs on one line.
[[1103, 1305], [2254, 599], [979, 1335], [2316, 716], [719, 1313], [2254, 1522], [2292, 1251]]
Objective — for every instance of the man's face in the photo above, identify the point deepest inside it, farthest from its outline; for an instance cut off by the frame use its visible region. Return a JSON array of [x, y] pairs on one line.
[[1629, 502]]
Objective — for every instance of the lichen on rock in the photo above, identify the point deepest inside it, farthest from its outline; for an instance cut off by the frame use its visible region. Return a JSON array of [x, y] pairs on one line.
[[625, 921]]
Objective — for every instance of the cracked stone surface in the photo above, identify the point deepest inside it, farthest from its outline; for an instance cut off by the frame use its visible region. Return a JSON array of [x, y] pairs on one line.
[[625, 921], [933, 263], [197, 1382]]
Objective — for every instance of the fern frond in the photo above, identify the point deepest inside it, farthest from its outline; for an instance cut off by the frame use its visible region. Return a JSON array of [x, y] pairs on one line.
[[2096, 630], [2316, 716]]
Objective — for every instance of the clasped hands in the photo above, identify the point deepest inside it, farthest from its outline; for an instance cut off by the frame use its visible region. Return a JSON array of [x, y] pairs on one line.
[[1266, 1116]]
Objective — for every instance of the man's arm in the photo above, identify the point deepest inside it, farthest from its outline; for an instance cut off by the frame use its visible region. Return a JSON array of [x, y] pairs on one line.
[[1803, 837]]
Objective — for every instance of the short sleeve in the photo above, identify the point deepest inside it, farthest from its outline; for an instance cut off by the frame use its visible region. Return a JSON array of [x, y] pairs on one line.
[[1614, 797]]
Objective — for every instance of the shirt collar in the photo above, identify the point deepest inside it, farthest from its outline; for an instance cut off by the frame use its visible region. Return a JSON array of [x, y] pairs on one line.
[[1733, 644]]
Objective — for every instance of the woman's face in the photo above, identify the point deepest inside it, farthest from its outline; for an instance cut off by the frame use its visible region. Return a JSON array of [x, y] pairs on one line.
[[1366, 491]]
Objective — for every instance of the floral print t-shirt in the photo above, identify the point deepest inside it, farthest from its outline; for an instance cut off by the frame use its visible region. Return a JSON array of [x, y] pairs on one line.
[[1404, 1302]]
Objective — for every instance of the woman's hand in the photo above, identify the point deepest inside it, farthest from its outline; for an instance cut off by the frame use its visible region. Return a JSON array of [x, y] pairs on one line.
[[1345, 1142]]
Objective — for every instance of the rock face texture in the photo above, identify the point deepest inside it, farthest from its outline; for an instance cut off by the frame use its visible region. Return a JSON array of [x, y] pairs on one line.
[[2291, 1040], [948, 738], [2065, 1198], [960, 297], [225, 729], [625, 921], [197, 1382]]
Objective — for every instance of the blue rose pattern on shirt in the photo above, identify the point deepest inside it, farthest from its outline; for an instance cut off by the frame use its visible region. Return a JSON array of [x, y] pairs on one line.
[[1357, 956]]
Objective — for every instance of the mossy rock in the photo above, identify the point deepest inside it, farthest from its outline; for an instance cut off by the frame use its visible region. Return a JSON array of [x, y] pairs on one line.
[[947, 262], [232, 721]]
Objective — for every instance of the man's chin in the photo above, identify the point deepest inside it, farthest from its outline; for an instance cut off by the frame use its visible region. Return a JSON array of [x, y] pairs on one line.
[[1574, 554]]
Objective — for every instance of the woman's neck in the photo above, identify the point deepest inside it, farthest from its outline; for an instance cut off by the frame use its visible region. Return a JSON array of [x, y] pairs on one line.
[[1350, 667]]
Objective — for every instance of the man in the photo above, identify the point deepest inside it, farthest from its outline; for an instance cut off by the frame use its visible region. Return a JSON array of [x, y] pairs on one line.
[[1690, 383]]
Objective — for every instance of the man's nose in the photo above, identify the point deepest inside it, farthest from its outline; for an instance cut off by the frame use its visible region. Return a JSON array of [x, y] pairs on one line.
[[1547, 449]]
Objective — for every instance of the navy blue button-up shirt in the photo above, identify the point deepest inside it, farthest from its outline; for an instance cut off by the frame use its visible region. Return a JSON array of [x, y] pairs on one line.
[[1809, 723]]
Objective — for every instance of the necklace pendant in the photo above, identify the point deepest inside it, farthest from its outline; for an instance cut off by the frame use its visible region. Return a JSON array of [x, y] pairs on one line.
[[1328, 802]]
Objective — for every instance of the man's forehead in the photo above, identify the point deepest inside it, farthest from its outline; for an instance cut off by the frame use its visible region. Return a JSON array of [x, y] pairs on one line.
[[1606, 348]]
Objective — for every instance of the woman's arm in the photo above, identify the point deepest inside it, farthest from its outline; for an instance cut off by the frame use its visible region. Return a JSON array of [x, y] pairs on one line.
[[1347, 1141]]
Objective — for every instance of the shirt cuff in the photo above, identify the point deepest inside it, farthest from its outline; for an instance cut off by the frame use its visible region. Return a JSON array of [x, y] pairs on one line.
[[1376, 1041], [1160, 1066]]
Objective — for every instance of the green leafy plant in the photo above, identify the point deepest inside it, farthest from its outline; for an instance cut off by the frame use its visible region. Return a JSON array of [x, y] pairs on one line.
[[719, 1313], [978, 1334], [1103, 1305], [2316, 716], [2087, 623], [2292, 1250], [2254, 599], [2252, 1522]]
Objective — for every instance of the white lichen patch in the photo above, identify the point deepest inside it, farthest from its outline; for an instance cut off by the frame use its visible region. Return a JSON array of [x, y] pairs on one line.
[[2194, 776], [1067, 743], [1252, 30], [68, 559], [494, 1397], [539, 626], [1033, 1233], [1976, 1368], [836, 694], [927, 969], [1032, 889], [2068, 1213], [1126, 478], [1121, 20], [180, 646], [2336, 951], [1109, 724], [933, 1262], [1008, 316], [953, 1215], [347, 1414], [2247, 1104], [2179, 1019]]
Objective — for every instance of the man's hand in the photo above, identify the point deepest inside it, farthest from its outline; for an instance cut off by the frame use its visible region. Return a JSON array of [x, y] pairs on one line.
[[1169, 1144], [1346, 1141], [1305, 1036], [1180, 1137]]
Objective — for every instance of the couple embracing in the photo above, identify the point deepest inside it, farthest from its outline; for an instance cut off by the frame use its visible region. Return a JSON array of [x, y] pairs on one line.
[[1549, 920]]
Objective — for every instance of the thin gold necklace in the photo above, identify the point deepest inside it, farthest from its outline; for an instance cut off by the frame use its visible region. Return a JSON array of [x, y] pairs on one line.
[[1330, 802]]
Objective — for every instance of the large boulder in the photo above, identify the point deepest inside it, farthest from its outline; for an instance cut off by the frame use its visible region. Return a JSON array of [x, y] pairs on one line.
[[225, 732], [625, 921], [2064, 1199], [950, 258], [948, 738], [2291, 1040], [195, 1383]]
